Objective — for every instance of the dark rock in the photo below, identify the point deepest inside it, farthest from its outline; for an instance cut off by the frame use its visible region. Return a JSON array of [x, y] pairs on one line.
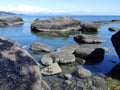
[[40, 47], [61, 24], [18, 69], [89, 39], [92, 54], [116, 42], [11, 21], [95, 56], [90, 27], [114, 29], [115, 72]]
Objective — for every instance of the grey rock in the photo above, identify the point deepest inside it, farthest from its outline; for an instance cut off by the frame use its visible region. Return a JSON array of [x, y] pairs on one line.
[[89, 39], [60, 24], [83, 73], [52, 69], [19, 70], [40, 47], [90, 27], [47, 60], [113, 29], [69, 48], [60, 57], [9, 21]]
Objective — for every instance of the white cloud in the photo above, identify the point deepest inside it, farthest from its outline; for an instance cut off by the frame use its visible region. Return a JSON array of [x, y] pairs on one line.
[[24, 9]]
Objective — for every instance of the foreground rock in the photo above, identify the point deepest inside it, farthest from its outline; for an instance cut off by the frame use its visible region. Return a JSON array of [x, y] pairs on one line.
[[89, 39], [90, 27], [113, 29], [61, 24], [10, 21], [18, 70], [40, 47], [116, 42], [83, 73], [52, 69], [60, 57], [92, 54]]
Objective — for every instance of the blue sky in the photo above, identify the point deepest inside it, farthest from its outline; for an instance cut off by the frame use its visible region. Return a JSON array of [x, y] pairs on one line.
[[87, 7]]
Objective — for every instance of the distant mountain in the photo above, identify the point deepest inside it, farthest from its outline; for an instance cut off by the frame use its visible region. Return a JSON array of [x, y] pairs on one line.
[[6, 13]]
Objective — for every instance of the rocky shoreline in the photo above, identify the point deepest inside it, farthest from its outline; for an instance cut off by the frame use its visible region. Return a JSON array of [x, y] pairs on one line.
[[20, 71]]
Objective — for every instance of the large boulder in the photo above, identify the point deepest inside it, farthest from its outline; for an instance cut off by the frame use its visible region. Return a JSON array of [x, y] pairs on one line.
[[89, 39], [10, 21], [40, 47], [116, 42], [90, 27], [60, 24], [92, 54], [18, 69], [60, 57]]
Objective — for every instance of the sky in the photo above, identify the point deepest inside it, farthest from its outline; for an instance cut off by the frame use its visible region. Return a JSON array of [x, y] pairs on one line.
[[80, 7]]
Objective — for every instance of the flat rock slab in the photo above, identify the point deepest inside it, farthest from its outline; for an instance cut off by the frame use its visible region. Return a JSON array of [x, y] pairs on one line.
[[83, 73], [9, 21], [88, 39], [60, 57], [69, 48], [52, 69], [60, 24], [40, 47]]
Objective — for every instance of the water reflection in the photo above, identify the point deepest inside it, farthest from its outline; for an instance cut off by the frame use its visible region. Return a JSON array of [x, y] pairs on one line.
[[53, 35]]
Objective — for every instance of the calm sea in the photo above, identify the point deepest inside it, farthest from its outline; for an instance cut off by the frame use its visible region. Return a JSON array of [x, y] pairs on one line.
[[23, 35]]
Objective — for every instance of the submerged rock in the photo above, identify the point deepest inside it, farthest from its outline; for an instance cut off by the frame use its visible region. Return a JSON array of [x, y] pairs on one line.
[[40, 47], [52, 69], [9, 21], [89, 39], [113, 29], [18, 69], [60, 24]]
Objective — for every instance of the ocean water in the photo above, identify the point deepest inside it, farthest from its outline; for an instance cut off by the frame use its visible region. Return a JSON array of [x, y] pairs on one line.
[[25, 37]]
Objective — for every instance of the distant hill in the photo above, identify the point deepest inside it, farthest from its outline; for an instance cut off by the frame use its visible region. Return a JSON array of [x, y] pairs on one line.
[[6, 13]]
